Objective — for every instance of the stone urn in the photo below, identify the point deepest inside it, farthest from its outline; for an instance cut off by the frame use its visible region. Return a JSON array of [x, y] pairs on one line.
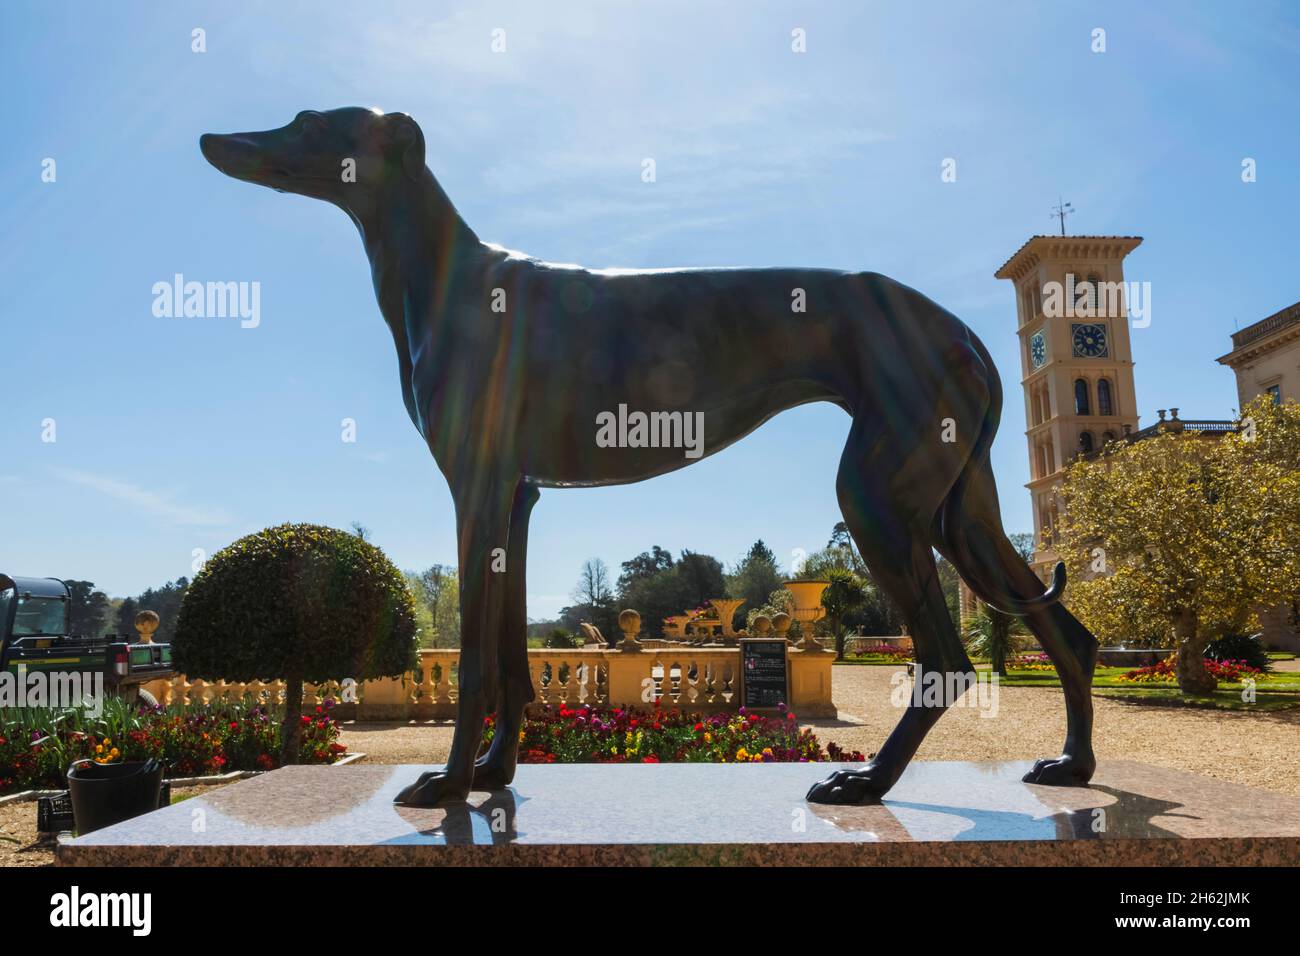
[[146, 622], [807, 608], [629, 622], [675, 627], [726, 608]]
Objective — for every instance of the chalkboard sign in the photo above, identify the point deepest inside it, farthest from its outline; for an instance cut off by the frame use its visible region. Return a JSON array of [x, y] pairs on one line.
[[763, 669]]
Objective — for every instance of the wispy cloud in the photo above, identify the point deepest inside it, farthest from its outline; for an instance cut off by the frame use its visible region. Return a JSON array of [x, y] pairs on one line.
[[150, 502]]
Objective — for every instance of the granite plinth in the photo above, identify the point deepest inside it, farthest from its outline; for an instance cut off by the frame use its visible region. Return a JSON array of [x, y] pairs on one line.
[[940, 813]]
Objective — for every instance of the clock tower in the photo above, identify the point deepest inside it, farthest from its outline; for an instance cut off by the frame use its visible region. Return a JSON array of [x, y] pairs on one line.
[[1072, 308]]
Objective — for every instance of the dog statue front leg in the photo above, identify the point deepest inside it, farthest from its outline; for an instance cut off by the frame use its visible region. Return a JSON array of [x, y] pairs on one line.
[[482, 524]]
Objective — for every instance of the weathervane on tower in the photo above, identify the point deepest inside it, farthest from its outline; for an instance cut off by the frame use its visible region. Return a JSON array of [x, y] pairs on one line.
[[1060, 211]]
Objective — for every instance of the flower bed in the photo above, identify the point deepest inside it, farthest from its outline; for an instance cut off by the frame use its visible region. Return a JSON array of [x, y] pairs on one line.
[[37, 746], [617, 735], [1031, 662], [880, 651], [1165, 672]]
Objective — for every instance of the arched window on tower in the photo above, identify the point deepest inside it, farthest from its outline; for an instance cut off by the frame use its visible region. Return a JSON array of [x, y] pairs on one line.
[[1085, 443], [1107, 438], [1081, 397], [1104, 404], [1094, 281]]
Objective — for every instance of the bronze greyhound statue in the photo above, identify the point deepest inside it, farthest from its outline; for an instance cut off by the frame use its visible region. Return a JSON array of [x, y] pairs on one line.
[[511, 369]]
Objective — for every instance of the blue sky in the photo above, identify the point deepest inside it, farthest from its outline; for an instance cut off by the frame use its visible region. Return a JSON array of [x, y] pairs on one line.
[[175, 435]]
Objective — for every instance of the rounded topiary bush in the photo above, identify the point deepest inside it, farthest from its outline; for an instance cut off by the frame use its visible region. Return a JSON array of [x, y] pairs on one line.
[[298, 602]]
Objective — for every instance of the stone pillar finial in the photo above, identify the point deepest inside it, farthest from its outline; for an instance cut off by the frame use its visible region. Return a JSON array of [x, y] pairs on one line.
[[761, 625], [146, 622], [629, 622], [781, 626]]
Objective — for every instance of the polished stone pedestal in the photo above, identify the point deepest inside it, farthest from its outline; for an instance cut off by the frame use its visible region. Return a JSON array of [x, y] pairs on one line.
[[938, 814]]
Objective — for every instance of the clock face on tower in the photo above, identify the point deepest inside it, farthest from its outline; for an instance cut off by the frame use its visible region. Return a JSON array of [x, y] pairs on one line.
[[1089, 340], [1037, 350]]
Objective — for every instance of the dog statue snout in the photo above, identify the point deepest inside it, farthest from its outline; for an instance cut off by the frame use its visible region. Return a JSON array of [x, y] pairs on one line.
[[233, 154]]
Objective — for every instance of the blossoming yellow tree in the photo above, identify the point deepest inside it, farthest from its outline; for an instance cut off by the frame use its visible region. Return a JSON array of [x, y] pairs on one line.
[[1178, 538]]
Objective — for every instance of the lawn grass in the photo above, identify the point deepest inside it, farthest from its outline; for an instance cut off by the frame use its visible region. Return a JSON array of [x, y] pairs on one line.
[[1223, 698], [1273, 693]]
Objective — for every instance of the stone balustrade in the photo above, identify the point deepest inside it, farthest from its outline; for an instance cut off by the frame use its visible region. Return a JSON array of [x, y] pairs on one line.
[[675, 675]]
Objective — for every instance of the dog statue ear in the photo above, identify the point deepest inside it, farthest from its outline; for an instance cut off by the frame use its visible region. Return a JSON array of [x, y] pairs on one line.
[[407, 139]]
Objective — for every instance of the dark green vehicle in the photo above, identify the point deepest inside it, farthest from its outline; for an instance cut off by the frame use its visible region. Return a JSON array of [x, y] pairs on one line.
[[34, 625]]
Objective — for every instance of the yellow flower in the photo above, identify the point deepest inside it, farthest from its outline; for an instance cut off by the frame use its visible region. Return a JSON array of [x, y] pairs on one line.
[[521, 735], [113, 752], [708, 738], [742, 754], [99, 748]]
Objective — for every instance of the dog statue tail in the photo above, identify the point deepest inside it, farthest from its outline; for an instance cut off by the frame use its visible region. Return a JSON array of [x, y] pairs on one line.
[[951, 521]]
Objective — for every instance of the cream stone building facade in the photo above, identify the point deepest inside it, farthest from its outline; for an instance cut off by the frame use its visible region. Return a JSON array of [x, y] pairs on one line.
[[1266, 359]]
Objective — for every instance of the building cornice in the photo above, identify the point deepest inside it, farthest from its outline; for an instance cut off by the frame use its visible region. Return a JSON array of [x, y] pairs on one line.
[[1038, 248], [1264, 336]]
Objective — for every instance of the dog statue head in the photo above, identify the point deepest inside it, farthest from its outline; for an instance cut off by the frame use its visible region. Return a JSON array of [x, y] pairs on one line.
[[350, 157]]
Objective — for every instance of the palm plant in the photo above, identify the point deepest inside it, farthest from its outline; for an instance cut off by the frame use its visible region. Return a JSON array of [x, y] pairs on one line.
[[992, 634], [845, 594]]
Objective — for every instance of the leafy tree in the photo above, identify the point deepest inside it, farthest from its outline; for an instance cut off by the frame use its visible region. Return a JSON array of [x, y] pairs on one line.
[[779, 601], [436, 590], [658, 587], [87, 609], [842, 541], [700, 578], [844, 595], [1181, 536], [643, 567], [124, 619], [424, 629], [165, 602], [1023, 542], [755, 577], [299, 602]]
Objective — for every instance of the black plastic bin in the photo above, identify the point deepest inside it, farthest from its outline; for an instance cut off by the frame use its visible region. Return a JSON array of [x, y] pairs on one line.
[[108, 793]]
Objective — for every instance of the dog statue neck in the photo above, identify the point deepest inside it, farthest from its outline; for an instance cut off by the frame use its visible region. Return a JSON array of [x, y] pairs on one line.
[[416, 243], [413, 227]]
